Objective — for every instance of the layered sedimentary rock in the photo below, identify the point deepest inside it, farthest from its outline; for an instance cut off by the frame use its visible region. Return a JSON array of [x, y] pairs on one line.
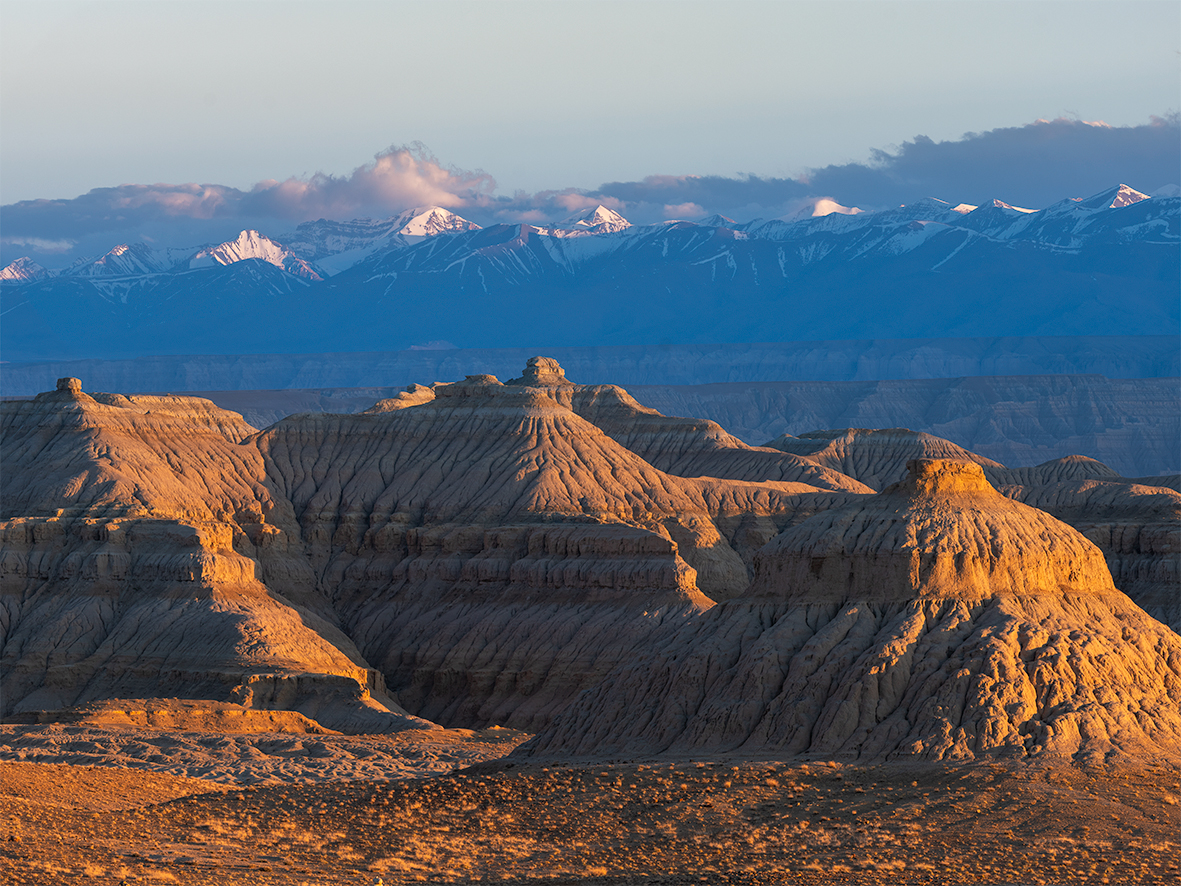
[[1137, 527], [687, 447], [485, 551], [937, 620], [876, 458], [131, 568], [494, 553], [70, 451], [1131, 424]]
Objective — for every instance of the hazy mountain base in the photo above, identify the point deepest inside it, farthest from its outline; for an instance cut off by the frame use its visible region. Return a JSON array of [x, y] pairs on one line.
[[1114, 356]]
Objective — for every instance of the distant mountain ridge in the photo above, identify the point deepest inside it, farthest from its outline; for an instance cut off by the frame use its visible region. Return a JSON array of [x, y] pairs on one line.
[[928, 269]]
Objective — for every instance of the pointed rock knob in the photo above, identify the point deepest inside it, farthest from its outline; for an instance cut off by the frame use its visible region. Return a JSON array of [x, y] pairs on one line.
[[938, 476], [542, 372]]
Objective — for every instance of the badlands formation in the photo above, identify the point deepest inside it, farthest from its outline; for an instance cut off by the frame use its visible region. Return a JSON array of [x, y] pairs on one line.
[[176, 587], [478, 551], [936, 620]]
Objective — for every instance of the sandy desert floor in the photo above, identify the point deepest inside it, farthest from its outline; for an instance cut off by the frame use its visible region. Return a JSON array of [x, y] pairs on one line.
[[364, 809]]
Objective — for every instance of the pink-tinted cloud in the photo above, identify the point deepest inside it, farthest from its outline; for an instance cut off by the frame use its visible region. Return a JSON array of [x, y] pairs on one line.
[[683, 210], [572, 201], [396, 179]]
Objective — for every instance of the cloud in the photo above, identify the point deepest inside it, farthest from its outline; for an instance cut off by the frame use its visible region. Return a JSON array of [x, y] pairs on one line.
[[743, 198], [397, 179], [39, 245], [1032, 165], [683, 210], [573, 201]]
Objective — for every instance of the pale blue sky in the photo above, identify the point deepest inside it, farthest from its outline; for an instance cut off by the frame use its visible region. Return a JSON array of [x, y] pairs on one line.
[[546, 95]]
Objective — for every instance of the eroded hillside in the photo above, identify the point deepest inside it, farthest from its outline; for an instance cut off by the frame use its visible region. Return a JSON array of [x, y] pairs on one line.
[[475, 553]]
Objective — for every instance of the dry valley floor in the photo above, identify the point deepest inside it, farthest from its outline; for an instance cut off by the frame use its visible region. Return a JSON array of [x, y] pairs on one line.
[[657, 822]]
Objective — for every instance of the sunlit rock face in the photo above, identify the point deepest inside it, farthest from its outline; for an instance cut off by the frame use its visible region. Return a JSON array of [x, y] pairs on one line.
[[478, 553], [876, 458], [937, 620], [482, 546], [686, 447], [494, 553], [942, 533], [1136, 526], [137, 536]]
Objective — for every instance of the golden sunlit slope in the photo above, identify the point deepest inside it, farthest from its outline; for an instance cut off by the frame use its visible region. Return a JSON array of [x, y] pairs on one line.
[[1137, 527], [129, 571], [173, 456], [938, 620], [875, 457], [494, 553], [687, 447]]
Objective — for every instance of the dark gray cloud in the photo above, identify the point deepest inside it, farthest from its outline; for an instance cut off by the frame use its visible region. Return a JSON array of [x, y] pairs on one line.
[[1032, 165]]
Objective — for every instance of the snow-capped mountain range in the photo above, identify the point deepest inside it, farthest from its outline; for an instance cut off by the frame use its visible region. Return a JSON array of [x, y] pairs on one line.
[[926, 267]]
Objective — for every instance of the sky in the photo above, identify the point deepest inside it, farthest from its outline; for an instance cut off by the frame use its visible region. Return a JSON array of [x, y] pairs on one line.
[[516, 111]]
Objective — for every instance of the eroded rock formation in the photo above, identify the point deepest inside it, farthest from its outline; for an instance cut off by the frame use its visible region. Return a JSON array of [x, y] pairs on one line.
[[494, 553], [480, 553], [485, 548], [130, 568], [877, 458], [1136, 525], [937, 620]]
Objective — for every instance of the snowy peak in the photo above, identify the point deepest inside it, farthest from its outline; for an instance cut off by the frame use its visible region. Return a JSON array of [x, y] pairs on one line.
[[716, 221], [252, 244], [1001, 204], [335, 246], [828, 207], [599, 220], [124, 260], [1118, 197], [23, 270], [430, 221]]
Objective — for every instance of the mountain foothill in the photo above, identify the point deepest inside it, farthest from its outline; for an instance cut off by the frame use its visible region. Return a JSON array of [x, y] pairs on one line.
[[557, 558]]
